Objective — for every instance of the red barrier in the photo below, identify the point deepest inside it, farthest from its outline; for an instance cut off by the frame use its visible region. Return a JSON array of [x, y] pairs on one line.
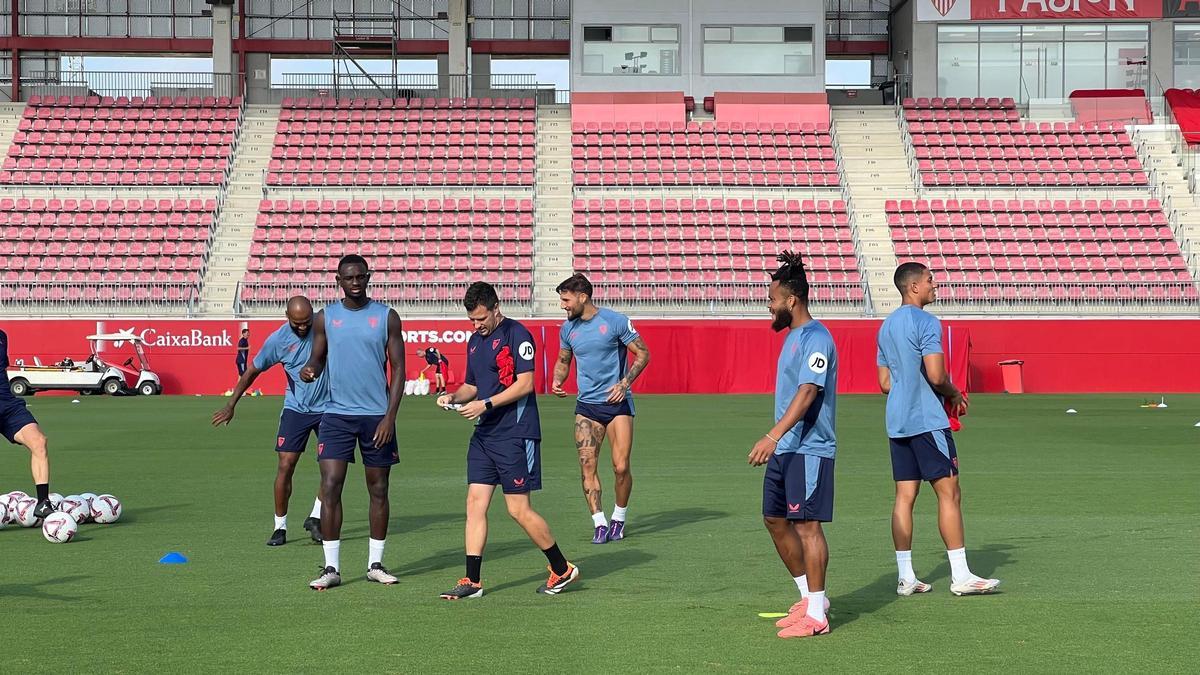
[[643, 106], [733, 106], [1128, 106], [705, 356], [1185, 107]]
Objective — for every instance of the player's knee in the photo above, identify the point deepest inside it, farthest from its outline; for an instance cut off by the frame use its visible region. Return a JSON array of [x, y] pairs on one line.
[[775, 524], [518, 510], [621, 469]]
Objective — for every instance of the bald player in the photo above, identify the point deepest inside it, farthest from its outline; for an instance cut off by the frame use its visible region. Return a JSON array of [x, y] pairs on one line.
[[303, 405]]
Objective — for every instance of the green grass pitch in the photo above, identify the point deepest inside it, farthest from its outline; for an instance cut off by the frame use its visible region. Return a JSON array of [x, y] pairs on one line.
[[1091, 520]]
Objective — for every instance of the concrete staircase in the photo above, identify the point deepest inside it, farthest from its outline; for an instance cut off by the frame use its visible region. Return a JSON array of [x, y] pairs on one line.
[[553, 260], [1156, 149], [10, 119], [875, 169], [235, 228]]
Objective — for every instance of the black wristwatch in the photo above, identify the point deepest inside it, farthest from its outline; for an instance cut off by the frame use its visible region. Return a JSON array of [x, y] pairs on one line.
[[487, 403]]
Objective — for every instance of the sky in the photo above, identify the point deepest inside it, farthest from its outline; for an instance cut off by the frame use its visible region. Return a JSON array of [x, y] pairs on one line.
[[546, 71]]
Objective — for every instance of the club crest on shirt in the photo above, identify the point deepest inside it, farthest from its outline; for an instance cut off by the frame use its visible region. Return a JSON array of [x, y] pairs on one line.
[[337, 323], [373, 321], [604, 329], [495, 343]]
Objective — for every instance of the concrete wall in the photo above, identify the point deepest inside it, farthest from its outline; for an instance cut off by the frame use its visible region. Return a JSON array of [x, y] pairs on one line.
[[902, 44], [691, 16]]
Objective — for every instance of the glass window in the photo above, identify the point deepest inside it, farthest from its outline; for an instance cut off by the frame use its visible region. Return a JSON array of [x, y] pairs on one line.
[[631, 50], [1083, 65], [1187, 55], [958, 69], [848, 73], [1048, 60], [758, 50], [1127, 65], [999, 68]]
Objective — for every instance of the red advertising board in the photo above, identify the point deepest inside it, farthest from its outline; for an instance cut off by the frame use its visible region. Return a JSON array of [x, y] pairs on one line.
[[698, 356]]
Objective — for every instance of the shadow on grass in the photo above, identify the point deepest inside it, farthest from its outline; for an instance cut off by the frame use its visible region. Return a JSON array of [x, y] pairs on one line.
[[848, 607], [660, 521], [984, 562], [590, 567], [35, 591], [400, 525]]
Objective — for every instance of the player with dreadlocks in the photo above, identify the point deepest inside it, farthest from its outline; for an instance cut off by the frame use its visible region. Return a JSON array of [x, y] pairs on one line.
[[800, 448]]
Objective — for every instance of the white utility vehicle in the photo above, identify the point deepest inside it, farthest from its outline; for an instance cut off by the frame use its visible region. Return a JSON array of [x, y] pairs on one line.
[[94, 375]]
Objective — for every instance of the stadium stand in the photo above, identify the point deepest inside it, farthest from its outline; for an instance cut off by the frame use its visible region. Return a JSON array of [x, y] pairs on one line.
[[423, 250], [981, 143], [123, 141], [1044, 250], [646, 250], [365, 142], [703, 153], [83, 251]]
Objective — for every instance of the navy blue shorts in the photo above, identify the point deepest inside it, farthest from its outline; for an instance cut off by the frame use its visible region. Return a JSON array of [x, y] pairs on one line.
[[339, 434], [294, 429], [798, 487], [604, 412], [928, 456], [515, 464], [14, 417]]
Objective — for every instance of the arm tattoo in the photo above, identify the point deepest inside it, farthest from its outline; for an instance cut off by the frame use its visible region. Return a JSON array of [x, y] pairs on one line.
[[640, 361], [563, 366]]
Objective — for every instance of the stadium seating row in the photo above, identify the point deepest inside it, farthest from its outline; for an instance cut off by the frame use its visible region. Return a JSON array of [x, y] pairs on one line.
[[326, 102], [352, 207]]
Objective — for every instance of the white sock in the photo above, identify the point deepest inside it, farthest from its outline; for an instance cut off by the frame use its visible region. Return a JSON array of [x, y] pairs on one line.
[[802, 584], [959, 572], [375, 551], [316, 512], [904, 566], [599, 520], [281, 522], [816, 605], [333, 551], [619, 513]]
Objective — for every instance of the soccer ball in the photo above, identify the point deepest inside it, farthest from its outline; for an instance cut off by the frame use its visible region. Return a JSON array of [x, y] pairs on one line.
[[3, 513], [87, 498], [76, 507], [59, 528], [106, 509], [24, 515], [55, 499], [12, 498]]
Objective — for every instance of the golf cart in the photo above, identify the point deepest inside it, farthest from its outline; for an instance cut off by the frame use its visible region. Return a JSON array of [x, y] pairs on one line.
[[94, 375]]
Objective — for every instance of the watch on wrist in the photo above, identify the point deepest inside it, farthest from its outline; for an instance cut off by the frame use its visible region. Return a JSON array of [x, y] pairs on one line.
[[487, 403]]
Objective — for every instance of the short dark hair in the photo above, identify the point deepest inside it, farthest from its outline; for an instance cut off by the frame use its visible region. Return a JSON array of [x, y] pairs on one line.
[[576, 283], [908, 273], [352, 259], [480, 293], [791, 275]]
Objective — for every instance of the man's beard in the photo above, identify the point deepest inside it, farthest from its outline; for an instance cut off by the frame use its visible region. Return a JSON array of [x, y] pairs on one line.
[[571, 315], [781, 321], [299, 333]]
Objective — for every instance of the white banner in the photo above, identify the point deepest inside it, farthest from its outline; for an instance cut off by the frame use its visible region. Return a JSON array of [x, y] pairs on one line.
[[943, 10]]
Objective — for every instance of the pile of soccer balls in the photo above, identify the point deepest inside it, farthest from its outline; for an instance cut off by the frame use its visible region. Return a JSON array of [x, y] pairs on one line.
[[70, 512]]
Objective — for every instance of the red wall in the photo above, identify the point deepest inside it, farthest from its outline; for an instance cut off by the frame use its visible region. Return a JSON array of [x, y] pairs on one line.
[[703, 356]]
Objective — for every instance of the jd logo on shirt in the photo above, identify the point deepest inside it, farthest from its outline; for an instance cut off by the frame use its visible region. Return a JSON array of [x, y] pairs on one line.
[[817, 362], [526, 351]]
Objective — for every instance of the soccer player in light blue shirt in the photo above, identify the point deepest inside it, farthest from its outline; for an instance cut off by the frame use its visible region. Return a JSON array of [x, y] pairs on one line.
[[599, 340], [799, 450], [912, 372], [358, 344], [303, 404]]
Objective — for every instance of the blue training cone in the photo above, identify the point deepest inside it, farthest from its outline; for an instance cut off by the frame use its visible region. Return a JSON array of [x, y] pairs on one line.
[[173, 558]]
